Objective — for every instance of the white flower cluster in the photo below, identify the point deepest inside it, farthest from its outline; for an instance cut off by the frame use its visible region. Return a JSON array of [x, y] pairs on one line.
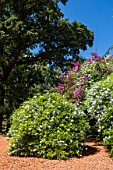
[[99, 98]]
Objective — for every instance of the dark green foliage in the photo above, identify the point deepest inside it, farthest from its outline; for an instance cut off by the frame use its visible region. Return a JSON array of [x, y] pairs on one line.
[[23, 82], [28, 25], [32, 31], [47, 126]]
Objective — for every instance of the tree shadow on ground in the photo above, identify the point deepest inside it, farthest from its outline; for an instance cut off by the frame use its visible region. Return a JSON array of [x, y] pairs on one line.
[[90, 150], [91, 147]]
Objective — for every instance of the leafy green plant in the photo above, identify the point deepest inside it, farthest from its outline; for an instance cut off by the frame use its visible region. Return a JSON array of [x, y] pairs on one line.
[[47, 126], [108, 137], [98, 105]]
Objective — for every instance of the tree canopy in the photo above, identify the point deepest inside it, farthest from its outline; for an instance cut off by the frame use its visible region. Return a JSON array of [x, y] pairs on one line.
[[33, 31], [38, 25]]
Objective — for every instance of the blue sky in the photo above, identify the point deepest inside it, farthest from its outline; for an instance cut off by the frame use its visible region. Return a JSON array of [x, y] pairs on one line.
[[97, 15]]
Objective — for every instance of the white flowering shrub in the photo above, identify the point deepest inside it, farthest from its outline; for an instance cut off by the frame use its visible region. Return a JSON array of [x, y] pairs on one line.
[[108, 127], [108, 137], [47, 126], [99, 105]]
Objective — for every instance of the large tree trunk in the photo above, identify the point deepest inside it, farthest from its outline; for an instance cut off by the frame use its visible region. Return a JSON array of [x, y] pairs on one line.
[[2, 95]]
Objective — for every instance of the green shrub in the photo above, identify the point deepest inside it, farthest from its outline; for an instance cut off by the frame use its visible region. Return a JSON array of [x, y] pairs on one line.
[[108, 139], [98, 105], [47, 126], [108, 130]]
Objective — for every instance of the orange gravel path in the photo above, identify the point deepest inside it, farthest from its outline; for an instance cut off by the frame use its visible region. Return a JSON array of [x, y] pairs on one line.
[[96, 158]]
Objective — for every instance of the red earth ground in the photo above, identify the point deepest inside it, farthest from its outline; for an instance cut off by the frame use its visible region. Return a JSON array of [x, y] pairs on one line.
[[95, 158]]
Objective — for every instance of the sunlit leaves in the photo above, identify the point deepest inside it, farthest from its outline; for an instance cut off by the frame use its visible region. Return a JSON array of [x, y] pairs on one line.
[[52, 127]]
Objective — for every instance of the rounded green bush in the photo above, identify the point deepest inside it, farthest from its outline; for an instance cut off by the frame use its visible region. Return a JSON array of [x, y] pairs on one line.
[[47, 126]]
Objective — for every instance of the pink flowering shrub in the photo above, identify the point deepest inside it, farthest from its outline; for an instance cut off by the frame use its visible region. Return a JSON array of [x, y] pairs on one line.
[[76, 81]]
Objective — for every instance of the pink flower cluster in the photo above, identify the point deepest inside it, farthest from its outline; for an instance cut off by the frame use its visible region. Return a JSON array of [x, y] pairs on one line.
[[59, 87], [95, 56], [84, 78], [75, 82], [76, 66]]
